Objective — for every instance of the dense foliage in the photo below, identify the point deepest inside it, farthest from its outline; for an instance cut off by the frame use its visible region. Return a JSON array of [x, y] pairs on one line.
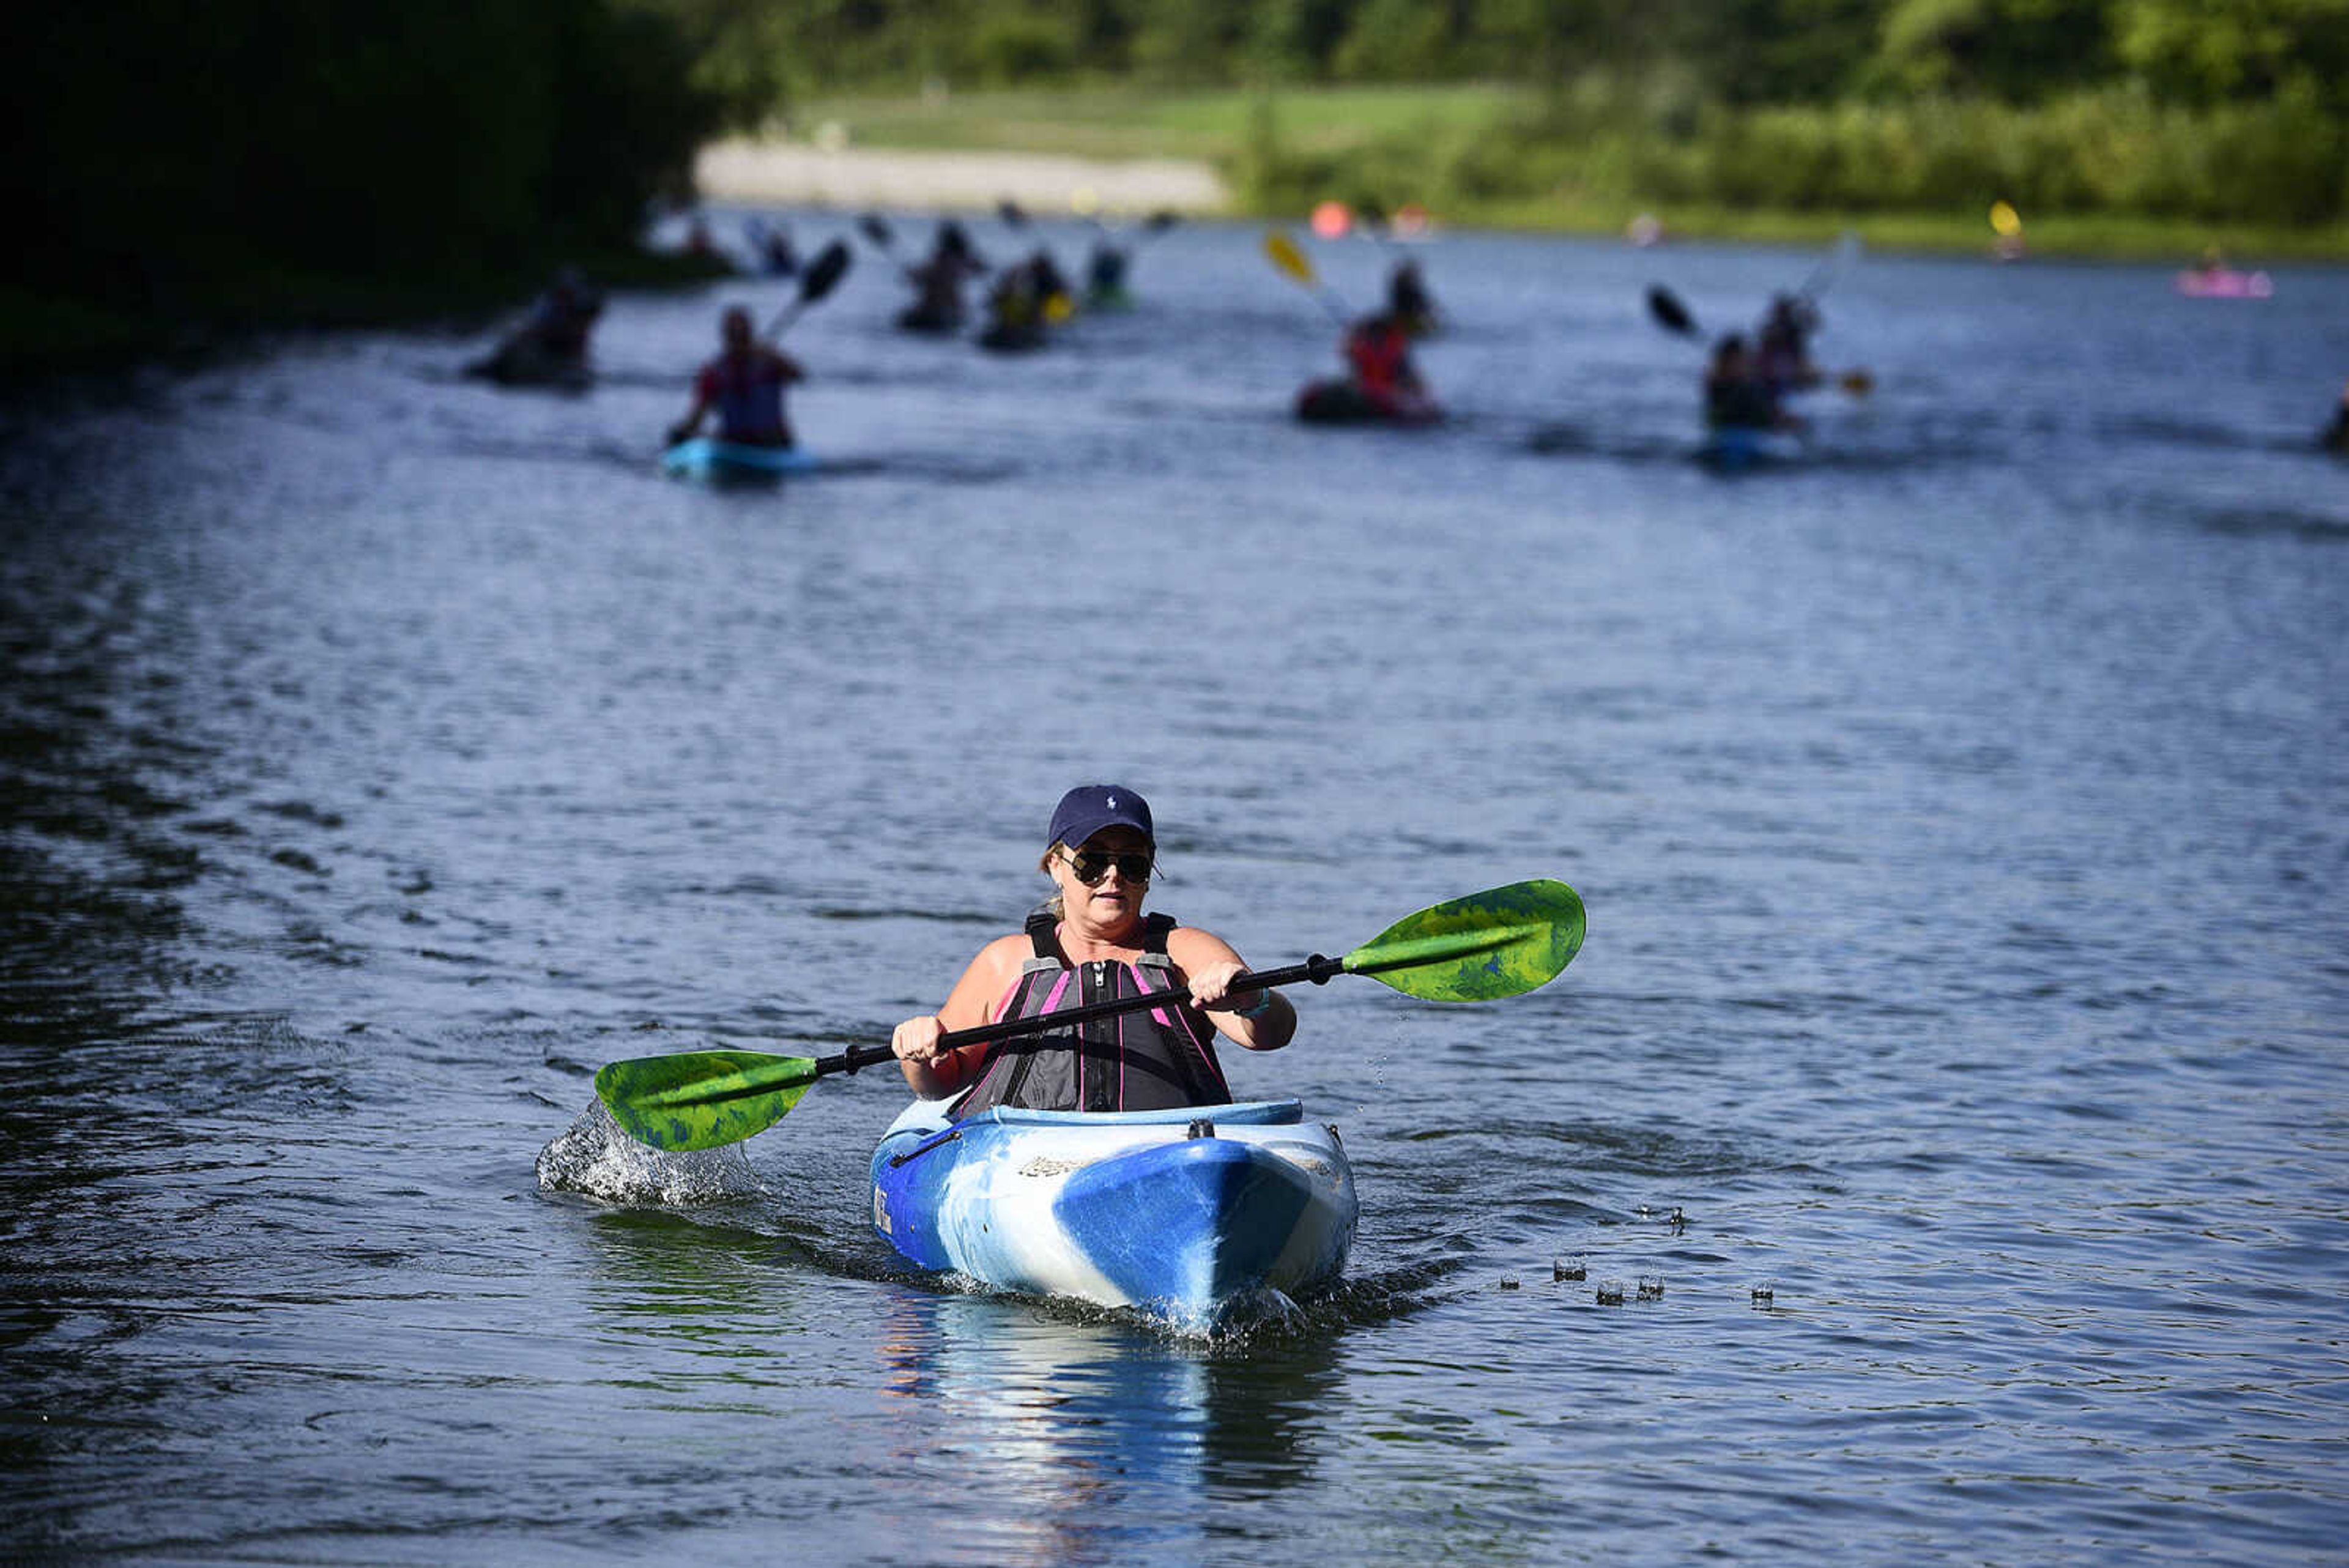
[[2193, 53], [2215, 109], [178, 159]]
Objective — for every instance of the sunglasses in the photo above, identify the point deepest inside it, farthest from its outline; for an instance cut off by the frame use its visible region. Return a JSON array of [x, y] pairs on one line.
[[1091, 867]]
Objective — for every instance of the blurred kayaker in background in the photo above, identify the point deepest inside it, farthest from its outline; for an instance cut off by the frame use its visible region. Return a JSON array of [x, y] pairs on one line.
[[550, 347], [939, 281], [1408, 301], [1782, 359], [778, 258], [744, 385], [1092, 942], [1736, 397], [1053, 295], [1105, 268], [564, 315], [1015, 310], [2336, 434], [1379, 363]]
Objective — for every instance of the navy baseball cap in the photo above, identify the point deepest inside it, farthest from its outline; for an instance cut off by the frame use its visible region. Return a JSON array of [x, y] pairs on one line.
[[1087, 809]]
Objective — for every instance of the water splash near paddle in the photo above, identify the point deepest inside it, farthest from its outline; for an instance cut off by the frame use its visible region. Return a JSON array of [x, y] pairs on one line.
[[594, 1158]]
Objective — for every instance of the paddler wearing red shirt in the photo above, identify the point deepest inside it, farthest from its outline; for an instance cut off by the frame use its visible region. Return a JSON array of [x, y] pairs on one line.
[[745, 385], [1378, 354]]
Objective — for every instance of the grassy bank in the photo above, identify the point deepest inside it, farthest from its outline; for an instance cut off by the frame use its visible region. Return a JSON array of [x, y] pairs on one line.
[[1210, 125], [1506, 157]]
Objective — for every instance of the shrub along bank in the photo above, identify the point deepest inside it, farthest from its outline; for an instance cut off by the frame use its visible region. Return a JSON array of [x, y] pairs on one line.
[[183, 168]]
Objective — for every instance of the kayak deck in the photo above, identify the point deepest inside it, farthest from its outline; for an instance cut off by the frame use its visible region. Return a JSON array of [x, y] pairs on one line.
[[705, 458], [1190, 1214]]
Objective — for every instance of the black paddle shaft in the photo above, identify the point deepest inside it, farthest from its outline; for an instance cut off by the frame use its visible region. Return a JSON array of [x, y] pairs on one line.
[[1317, 970]]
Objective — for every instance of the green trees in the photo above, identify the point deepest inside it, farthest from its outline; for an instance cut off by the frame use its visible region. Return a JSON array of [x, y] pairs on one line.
[[190, 161]]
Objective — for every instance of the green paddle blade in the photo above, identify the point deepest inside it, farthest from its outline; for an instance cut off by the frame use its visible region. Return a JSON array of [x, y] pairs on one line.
[[702, 1099], [1492, 944]]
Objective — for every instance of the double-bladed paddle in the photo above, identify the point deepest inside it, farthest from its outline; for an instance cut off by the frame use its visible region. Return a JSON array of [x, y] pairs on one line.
[[875, 228], [818, 279], [1674, 316], [1837, 263], [1488, 945], [1669, 313], [1150, 228], [1290, 260]]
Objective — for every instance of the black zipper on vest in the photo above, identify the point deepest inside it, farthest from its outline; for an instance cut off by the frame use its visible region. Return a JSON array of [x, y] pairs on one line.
[[1097, 1044]]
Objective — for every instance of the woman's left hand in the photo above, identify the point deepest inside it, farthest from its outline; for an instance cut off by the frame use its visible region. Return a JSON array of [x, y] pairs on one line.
[[1211, 986]]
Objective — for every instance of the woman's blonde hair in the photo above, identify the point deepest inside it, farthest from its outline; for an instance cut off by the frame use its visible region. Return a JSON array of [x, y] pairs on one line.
[[1045, 866]]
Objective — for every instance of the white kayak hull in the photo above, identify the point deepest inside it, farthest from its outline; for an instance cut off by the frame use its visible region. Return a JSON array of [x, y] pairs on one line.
[[1196, 1216]]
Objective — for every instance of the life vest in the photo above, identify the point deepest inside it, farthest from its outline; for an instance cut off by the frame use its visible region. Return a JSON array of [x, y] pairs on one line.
[[1149, 1060], [1378, 354], [748, 393]]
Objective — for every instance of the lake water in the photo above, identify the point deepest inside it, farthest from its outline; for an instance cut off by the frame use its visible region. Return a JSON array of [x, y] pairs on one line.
[[1957, 1056]]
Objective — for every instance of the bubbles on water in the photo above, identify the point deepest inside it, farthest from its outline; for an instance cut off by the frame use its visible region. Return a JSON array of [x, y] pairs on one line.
[[594, 1157], [1571, 1266], [1609, 1292], [1652, 1287]]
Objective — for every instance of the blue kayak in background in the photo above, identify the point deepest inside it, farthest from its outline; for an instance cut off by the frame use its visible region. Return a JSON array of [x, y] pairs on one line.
[[1198, 1216], [1733, 446], [703, 457]]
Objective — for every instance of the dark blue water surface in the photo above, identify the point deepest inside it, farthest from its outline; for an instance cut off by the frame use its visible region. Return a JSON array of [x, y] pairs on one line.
[[1957, 1058]]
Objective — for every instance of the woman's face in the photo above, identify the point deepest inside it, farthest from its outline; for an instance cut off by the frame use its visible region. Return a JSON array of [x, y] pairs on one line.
[[1117, 898]]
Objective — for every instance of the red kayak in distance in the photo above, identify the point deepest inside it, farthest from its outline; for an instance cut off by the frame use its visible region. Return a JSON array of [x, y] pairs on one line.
[[1341, 402]]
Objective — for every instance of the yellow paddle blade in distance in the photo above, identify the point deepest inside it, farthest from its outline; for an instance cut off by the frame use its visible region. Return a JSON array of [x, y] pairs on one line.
[[1288, 257]]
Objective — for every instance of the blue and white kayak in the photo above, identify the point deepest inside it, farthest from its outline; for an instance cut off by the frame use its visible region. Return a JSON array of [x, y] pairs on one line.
[[704, 458], [1197, 1215]]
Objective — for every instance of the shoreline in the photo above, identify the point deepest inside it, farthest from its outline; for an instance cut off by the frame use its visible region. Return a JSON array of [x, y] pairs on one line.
[[786, 173], [796, 173]]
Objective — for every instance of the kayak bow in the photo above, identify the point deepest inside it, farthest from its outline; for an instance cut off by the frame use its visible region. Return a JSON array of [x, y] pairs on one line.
[[704, 458]]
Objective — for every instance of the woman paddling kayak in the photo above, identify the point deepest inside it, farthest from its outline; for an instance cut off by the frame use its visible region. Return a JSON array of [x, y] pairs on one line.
[[1090, 941], [1084, 1162]]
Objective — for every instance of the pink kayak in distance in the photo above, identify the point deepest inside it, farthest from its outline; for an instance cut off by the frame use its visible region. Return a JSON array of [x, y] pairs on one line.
[[2224, 282]]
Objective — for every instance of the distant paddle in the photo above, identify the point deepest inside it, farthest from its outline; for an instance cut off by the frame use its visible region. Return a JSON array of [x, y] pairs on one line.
[[1825, 275], [1294, 263], [875, 228], [819, 278], [1669, 313], [1371, 221], [1489, 945]]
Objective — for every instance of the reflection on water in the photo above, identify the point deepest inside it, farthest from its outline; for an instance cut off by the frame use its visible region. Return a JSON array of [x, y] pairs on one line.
[[1098, 1441]]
